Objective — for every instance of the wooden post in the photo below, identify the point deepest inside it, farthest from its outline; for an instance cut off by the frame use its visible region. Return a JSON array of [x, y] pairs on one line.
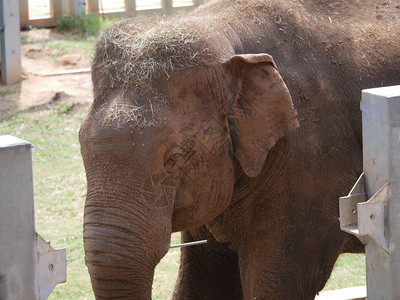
[[10, 41], [24, 12], [381, 153], [198, 2], [93, 6], [130, 7], [56, 9], [167, 6], [65, 7]]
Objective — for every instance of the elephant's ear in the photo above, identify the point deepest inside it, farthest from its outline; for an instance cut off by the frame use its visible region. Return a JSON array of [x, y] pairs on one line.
[[261, 110]]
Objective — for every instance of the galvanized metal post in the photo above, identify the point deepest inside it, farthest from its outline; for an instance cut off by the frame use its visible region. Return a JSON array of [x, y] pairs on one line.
[[79, 7], [10, 41], [17, 233], [381, 153], [29, 267], [376, 222]]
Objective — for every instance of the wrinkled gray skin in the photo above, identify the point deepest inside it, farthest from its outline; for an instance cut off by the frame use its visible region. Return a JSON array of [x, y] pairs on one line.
[[214, 148]]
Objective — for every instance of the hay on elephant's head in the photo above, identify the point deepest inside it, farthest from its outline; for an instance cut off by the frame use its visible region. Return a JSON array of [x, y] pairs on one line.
[[131, 54], [132, 115]]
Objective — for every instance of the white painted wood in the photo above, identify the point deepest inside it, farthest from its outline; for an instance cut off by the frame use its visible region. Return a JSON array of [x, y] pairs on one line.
[[358, 292]]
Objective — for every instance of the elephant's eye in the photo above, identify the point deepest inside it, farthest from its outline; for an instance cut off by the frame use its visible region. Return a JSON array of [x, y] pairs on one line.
[[173, 159]]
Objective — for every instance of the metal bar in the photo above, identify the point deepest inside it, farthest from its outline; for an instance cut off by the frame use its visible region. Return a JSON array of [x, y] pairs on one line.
[[51, 267], [66, 72], [189, 244], [381, 152], [10, 41]]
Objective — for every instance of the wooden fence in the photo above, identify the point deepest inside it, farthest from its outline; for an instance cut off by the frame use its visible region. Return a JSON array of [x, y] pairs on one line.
[[65, 7]]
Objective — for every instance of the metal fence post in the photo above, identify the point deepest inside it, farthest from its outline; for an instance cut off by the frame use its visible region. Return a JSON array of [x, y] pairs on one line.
[[10, 41], [17, 234], [79, 7], [29, 267], [377, 221], [381, 154]]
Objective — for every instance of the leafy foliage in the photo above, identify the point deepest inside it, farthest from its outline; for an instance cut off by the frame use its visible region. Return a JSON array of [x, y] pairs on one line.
[[88, 25]]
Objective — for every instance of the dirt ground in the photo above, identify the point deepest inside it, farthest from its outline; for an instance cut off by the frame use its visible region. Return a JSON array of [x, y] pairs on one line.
[[38, 61], [40, 84]]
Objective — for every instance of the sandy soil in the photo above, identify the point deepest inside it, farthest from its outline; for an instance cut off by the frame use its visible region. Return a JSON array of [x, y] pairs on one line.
[[36, 87], [38, 60]]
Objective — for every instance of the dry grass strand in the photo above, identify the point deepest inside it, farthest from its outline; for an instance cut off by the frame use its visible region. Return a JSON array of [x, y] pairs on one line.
[[131, 54]]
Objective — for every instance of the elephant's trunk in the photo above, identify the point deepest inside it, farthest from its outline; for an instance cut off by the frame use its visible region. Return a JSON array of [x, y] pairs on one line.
[[124, 239]]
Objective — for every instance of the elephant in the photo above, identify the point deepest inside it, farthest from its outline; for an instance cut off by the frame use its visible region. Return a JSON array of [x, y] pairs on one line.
[[240, 124]]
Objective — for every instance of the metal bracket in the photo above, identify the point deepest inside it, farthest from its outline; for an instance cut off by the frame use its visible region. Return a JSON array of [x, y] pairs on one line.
[[51, 267], [365, 218], [189, 244]]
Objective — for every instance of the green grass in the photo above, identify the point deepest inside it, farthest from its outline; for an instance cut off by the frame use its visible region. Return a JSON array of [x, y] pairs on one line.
[[60, 44], [75, 33], [87, 25], [60, 187], [65, 108], [70, 45], [167, 271], [349, 271], [11, 90]]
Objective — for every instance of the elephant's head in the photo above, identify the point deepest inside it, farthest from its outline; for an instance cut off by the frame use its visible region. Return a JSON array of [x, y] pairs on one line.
[[159, 148]]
